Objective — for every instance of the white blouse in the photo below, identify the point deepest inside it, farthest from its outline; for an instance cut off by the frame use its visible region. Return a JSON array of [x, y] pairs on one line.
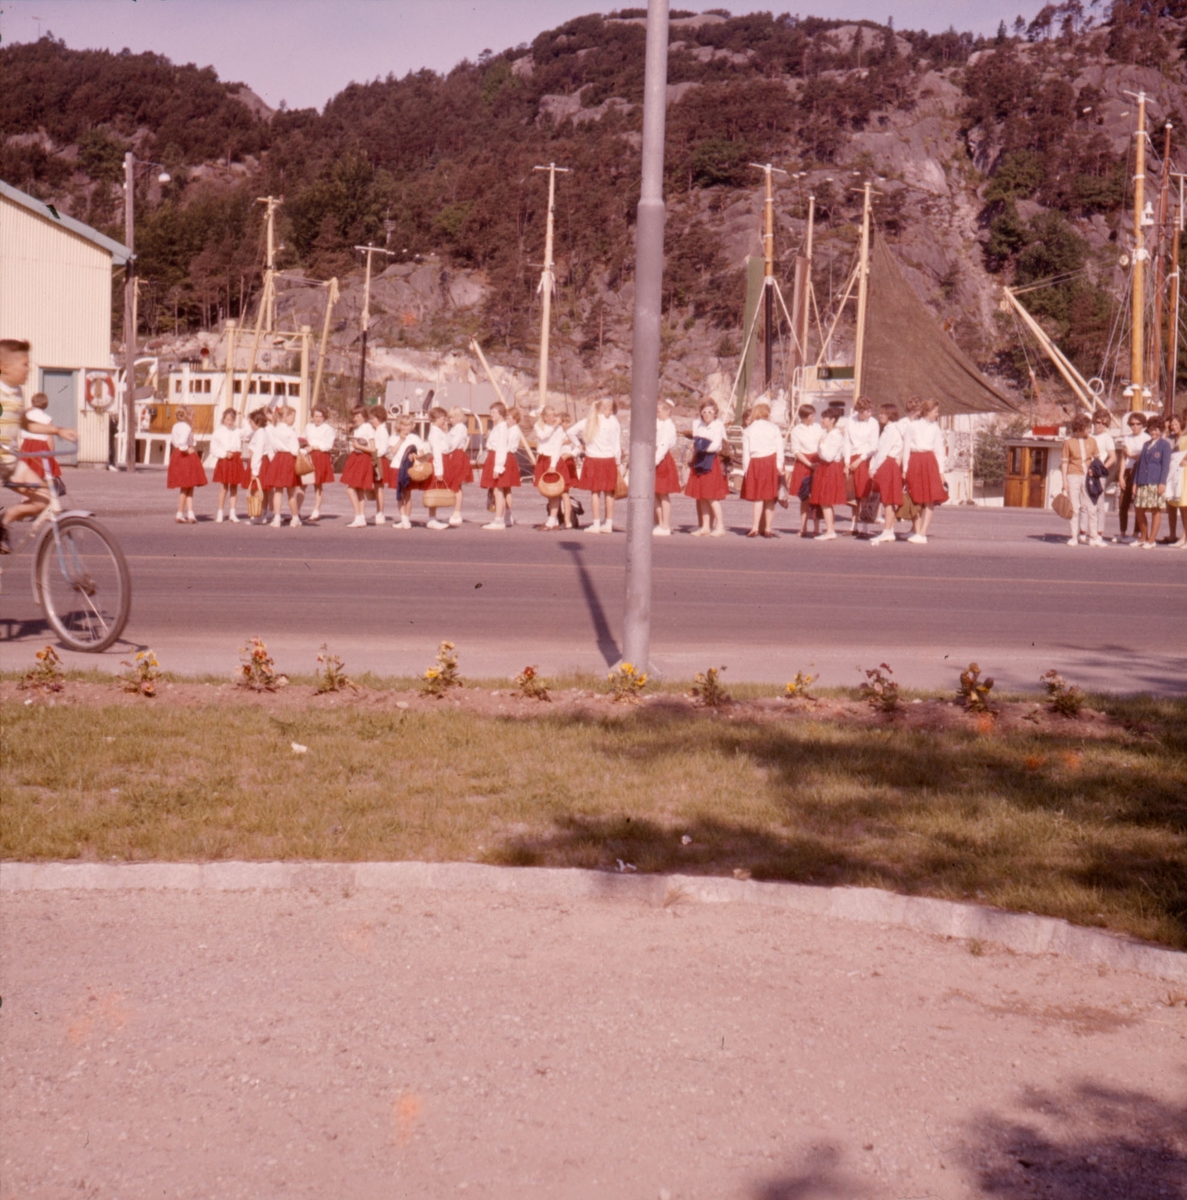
[[260, 447], [383, 439], [890, 445], [226, 442], [363, 433], [459, 437], [714, 431], [861, 438], [182, 436], [805, 439], [924, 436], [498, 443], [400, 448], [285, 440], [832, 446], [607, 442], [665, 438], [439, 448], [320, 437], [761, 439], [552, 443]]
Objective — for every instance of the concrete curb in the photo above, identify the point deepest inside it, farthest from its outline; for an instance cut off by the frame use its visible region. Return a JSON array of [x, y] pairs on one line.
[[1024, 933]]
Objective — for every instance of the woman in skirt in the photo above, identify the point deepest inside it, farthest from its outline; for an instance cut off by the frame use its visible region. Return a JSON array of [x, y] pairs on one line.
[[805, 441], [828, 479], [1149, 483], [554, 455], [923, 468], [886, 475], [319, 437], [258, 449], [706, 480], [861, 440], [358, 472], [230, 471], [667, 477], [601, 436], [185, 467], [762, 467], [500, 471], [458, 470], [282, 476]]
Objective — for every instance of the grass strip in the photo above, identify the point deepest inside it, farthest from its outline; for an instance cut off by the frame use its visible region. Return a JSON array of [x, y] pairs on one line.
[[1093, 830]]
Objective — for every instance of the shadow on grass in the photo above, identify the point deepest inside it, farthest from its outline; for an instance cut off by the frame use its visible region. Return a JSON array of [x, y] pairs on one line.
[[1100, 829]]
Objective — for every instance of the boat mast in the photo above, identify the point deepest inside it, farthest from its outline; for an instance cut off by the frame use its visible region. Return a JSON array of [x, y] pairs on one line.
[[365, 315], [547, 279], [863, 276], [1136, 387], [768, 245], [1172, 332], [1161, 221]]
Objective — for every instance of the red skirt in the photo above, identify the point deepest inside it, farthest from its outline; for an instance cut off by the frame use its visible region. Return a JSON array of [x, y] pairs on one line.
[[458, 470], [281, 471], [185, 470], [508, 479], [861, 477], [828, 485], [358, 472], [888, 479], [232, 471], [799, 473], [564, 468], [39, 466], [667, 477], [599, 475], [924, 481], [323, 466], [761, 481], [710, 486]]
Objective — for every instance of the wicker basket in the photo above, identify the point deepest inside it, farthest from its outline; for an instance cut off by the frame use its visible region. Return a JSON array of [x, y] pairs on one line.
[[438, 498], [551, 485], [421, 470]]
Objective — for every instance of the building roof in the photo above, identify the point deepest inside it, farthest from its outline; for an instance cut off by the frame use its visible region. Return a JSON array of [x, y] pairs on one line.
[[119, 252]]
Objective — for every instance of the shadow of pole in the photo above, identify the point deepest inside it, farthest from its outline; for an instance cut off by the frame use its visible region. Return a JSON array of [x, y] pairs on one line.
[[597, 614]]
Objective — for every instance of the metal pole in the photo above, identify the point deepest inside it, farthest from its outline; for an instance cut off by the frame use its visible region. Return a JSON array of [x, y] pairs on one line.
[[129, 316], [769, 281], [1172, 340], [801, 333], [649, 278], [863, 269], [1137, 374], [1155, 362], [364, 321], [546, 284]]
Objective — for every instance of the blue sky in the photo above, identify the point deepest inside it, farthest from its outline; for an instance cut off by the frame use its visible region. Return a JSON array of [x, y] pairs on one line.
[[304, 51]]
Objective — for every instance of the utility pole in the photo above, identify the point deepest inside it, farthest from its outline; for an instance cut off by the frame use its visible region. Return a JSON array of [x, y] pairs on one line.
[[863, 280], [365, 318], [1161, 219], [129, 315], [649, 279], [768, 249], [1137, 353], [1172, 332], [547, 279], [271, 204], [800, 298]]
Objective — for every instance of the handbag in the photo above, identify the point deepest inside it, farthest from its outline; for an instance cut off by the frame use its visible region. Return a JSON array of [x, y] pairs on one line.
[[620, 485], [304, 464], [870, 506], [908, 510], [1061, 506], [439, 498], [255, 499]]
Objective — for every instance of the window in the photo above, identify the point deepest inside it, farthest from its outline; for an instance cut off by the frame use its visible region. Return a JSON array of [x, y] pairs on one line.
[[294, 389], [1015, 460], [237, 386], [265, 387], [1038, 462]]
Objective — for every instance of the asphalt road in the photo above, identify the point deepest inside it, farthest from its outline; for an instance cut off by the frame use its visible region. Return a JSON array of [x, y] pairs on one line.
[[997, 586]]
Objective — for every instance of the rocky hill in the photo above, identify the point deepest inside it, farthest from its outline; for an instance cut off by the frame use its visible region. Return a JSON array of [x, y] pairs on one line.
[[994, 160]]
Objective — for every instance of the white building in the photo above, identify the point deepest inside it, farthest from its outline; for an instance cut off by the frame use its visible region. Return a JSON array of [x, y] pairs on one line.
[[55, 293]]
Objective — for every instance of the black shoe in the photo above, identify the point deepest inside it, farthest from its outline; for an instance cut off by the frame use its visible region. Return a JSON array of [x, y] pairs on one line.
[[5, 548]]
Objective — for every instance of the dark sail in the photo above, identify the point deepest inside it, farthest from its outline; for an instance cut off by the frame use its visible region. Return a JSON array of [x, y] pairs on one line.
[[907, 353]]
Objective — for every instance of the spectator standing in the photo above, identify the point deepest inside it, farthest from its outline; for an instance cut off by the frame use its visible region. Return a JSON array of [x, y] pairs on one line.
[[1077, 455], [1149, 483]]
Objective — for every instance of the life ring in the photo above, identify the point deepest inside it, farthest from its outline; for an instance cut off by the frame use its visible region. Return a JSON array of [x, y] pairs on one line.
[[100, 390]]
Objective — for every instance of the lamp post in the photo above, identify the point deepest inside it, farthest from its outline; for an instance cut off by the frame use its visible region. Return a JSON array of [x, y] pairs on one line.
[[130, 164]]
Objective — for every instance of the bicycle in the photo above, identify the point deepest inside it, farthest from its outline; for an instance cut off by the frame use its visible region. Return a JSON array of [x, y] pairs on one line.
[[80, 577]]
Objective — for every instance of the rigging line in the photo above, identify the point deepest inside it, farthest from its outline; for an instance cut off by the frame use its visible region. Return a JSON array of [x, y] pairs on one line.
[[1050, 281]]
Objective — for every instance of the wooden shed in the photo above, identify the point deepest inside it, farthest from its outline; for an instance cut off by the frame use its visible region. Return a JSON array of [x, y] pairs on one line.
[[55, 293]]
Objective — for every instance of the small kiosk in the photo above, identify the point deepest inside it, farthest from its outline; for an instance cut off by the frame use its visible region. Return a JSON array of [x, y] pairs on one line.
[[1032, 468]]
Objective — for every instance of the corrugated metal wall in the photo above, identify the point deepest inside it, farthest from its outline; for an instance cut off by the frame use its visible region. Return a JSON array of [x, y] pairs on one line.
[[55, 290]]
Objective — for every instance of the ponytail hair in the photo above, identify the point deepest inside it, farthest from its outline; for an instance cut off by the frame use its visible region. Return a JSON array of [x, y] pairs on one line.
[[591, 424]]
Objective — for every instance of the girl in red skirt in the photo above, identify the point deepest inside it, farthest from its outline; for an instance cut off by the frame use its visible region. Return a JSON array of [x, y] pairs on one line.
[[861, 440], [601, 435], [230, 471], [828, 480], [458, 469], [283, 477], [762, 467], [36, 437], [358, 473], [258, 450], [320, 436], [407, 448], [667, 477], [706, 480], [805, 441], [185, 467], [885, 473], [924, 462], [439, 449], [500, 471], [555, 454]]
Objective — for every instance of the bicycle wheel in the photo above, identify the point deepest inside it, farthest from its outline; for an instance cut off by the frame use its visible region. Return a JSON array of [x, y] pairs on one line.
[[84, 584]]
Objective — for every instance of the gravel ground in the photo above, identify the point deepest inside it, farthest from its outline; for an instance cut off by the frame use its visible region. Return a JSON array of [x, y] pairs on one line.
[[432, 1043]]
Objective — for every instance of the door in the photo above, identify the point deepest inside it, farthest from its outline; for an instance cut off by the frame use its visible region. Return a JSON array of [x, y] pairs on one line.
[[62, 389], [1026, 477], [1037, 481]]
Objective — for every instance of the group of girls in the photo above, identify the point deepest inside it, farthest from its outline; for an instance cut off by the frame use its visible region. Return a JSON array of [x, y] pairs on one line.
[[841, 462]]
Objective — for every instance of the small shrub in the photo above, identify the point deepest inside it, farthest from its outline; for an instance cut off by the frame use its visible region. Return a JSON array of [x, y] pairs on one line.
[[142, 674], [438, 679], [46, 675], [257, 671], [1062, 697], [974, 690], [708, 690], [627, 682], [531, 685], [797, 689], [331, 673], [879, 690]]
